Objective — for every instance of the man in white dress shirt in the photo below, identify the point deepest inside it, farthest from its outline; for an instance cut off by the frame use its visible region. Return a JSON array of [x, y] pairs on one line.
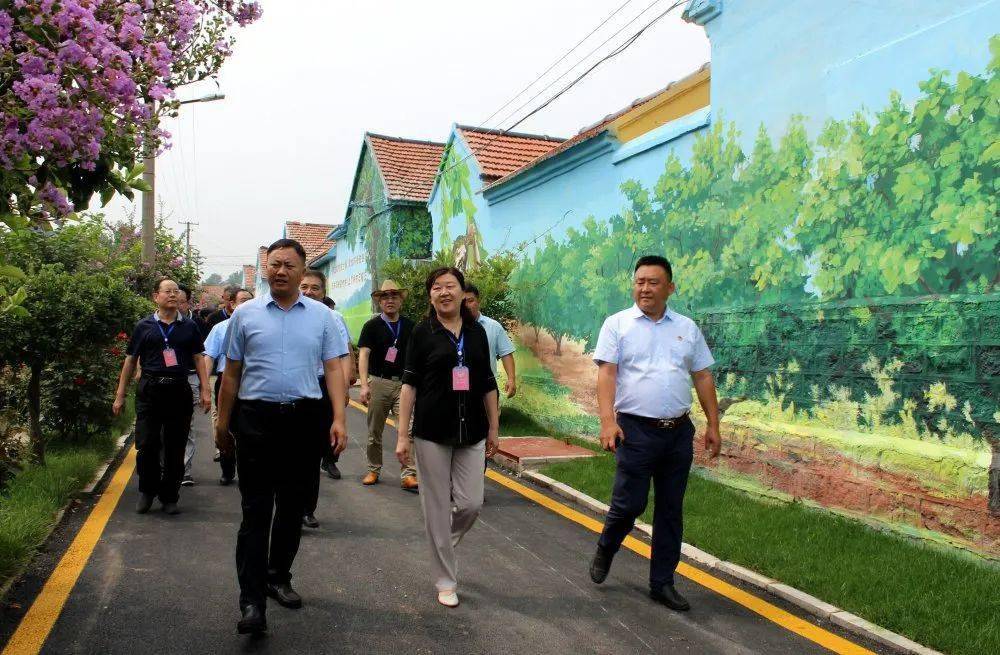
[[648, 356]]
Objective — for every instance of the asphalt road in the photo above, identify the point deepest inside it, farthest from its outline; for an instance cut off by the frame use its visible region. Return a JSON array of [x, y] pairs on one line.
[[162, 584]]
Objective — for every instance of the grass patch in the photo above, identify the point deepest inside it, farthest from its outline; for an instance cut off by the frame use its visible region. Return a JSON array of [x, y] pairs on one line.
[[548, 404], [943, 600], [30, 502]]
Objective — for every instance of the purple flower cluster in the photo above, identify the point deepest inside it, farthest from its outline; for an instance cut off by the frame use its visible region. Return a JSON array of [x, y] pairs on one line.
[[82, 80]]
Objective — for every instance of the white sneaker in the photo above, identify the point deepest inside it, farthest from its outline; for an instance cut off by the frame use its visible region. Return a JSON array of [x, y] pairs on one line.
[[448, 598]]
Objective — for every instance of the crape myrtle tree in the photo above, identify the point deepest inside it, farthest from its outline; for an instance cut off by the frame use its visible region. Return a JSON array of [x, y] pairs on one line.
[[84, 85]]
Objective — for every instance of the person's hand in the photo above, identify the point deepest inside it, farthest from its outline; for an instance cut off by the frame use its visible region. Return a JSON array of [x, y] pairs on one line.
[[206, 400], [510, 388], [118, 405], [403, 448], [492, 442], [366, 394], [611, 433], [338, 436], [223, 438], [713, 441]]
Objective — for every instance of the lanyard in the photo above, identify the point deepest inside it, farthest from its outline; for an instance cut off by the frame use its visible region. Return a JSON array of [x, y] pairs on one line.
[[459, 344], [395, 330], [166, 335]]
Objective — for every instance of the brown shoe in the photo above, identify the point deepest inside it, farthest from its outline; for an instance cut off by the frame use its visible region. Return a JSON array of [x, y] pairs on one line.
[[409, 483], [370, 478]]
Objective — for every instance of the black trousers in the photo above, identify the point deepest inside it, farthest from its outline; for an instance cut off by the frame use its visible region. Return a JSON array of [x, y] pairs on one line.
[[663, 455], [226, 462], [275, 446], [324, 451], [162, 422]]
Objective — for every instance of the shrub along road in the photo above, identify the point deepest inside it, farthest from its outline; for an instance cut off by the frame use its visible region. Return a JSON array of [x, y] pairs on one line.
[[160, 584]]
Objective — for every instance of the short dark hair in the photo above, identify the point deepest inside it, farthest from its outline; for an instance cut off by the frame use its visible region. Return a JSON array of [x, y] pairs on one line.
[[159, 281], [656, 260], [247, 291], [186, 290], [230, 291], [473, 289], [288, 243], [316, 273], [441, 272]]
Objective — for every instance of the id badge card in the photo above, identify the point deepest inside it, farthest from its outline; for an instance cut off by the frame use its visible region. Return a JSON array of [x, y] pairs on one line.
[[460, 378], [169, 357], [390, 355]]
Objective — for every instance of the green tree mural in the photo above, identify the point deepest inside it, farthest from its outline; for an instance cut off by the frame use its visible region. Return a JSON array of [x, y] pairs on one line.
[[456, 200], [368, 218], [826, 260]]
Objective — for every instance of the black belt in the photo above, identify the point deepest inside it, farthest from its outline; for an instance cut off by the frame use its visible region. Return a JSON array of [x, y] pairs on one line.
[[164, 379], [289, 407], [661, 423]]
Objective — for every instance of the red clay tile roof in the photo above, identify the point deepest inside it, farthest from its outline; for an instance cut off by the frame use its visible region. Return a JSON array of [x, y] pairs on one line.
[[262, 260], [312, 236], [249, 274], [408, 166], [500, 153], [589, 132]]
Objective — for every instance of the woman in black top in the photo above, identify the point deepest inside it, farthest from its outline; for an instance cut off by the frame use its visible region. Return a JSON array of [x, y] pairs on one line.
[[450, 392]]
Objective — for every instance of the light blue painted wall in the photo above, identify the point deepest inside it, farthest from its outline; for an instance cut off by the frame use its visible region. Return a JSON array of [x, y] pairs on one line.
[[591, 189], [457, 224], [826, 59]]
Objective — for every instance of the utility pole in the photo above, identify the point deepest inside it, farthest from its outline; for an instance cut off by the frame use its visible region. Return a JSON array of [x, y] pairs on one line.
[[149, 197], [187, 237]]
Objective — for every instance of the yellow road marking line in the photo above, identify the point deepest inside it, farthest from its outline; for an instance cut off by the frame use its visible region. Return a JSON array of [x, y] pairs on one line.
[[755, 604], [36, 625]]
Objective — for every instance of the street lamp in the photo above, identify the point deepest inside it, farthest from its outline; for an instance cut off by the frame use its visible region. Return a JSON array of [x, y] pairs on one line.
[[149, 197]]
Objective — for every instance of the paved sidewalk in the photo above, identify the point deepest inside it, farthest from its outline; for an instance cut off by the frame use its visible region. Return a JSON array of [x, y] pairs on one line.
[[160, 584]]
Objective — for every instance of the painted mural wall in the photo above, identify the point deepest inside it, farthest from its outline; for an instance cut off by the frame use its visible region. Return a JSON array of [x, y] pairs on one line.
[[835, 232]]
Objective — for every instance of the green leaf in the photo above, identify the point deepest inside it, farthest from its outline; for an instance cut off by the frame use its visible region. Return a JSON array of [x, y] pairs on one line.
[[140, 185], [12, 272]]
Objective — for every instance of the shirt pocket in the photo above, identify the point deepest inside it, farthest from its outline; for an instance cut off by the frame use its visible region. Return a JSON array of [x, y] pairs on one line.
[[680, 353]]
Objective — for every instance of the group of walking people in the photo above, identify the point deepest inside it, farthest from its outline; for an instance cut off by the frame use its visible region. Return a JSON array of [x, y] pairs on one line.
[[284, 366]]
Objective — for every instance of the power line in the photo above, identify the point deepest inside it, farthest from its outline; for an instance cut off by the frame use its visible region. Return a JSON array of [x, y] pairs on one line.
[[617, 51], [558, 61]]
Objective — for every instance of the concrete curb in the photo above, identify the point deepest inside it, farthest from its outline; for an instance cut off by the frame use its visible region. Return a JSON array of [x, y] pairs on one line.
[[811, 604], [102, 473], [98, 482]]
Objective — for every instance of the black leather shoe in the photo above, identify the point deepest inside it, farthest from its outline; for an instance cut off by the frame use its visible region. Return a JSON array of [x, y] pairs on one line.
[[333, 471], [668, 596], [253, 621], [171, 508], [600, 566], [310, 521], [144, 503], [285, 595], [225, 482]]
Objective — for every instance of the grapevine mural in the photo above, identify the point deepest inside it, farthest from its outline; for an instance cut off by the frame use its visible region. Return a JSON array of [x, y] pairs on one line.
[[848, 284]]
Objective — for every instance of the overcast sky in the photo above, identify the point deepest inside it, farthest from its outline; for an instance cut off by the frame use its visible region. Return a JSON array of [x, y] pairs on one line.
[[308, 80]]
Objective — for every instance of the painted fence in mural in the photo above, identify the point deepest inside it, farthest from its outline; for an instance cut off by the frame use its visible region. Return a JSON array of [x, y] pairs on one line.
[[848, 284]]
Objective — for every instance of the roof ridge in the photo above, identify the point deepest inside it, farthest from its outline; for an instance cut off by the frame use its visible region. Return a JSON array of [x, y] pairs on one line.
[[308, 223], [520, 135], [404, 139]]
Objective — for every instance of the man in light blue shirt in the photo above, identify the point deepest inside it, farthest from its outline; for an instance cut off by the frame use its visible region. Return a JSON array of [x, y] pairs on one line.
[[500, 344], [215, 352], [649, 355], [276, 344]]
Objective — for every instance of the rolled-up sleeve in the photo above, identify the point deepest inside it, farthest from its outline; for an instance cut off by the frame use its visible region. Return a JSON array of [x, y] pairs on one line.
[[334, 344], [413, 368], [235, 341], [701, 357], [504, 345], [607, 342]]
